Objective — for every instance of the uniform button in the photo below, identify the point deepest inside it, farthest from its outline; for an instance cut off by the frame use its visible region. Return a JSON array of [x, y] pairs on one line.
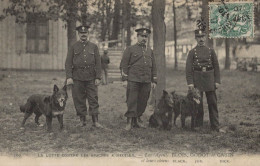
[[84, 50], [86, 61], [144, 62], [198, 63], [197, 60]]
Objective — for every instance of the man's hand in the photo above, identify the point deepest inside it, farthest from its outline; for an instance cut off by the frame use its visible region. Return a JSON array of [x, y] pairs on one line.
[[153, 85], [124, 76], [217, 85], [97, 82], [191, 86], [69, 81]]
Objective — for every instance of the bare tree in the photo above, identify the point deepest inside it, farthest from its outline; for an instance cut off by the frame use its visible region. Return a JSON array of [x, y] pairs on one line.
[[116, 21], [175, 35], [227, 61], [159, 36]]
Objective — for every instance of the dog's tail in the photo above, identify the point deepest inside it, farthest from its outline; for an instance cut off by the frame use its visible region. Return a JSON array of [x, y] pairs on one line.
[[22, 108]]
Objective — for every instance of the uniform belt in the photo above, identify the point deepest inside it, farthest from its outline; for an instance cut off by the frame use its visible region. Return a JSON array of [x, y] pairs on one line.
[[202, 68], [83, 67]]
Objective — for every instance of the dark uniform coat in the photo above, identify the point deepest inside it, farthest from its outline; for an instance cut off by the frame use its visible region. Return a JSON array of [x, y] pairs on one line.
[[83, 62], [202, 68], [139, 64], [83, 65]]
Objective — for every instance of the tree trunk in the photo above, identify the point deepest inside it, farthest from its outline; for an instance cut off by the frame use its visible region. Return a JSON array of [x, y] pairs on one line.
[[175, 36], [116, 21], [71, 32], [159, 30], [101, 7], [227, 61], [127, 24], [205, 16]]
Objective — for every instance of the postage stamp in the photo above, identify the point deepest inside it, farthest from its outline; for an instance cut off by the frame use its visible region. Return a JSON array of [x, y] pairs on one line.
[[231, 19]]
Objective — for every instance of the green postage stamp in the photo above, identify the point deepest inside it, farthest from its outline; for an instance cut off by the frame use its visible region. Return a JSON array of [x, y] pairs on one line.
[[231, 19]]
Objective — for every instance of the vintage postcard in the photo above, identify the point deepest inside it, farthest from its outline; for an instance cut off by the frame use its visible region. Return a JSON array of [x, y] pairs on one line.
[[130, 82]]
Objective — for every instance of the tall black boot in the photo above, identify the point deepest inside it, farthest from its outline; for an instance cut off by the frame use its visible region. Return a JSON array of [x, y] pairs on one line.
[[83, 120], [95, 121]]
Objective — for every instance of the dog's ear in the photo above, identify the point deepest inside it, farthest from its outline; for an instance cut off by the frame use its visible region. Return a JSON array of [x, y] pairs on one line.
[[165, 93], [64, 88], [55, 88]]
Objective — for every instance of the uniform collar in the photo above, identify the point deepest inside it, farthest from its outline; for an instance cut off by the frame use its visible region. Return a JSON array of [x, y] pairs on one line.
[[83, 42], [201, 46], [141, 45]]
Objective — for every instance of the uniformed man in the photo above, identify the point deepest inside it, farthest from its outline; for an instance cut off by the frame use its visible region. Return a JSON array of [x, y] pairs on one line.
[[83, 71], [104, 65], [202, 72], [139, 69]]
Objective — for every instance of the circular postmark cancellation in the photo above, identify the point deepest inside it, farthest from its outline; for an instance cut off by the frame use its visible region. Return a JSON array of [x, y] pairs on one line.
[[231, 19]]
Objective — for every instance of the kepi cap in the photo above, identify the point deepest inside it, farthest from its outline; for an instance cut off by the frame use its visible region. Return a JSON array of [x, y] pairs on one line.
[[143, 31], [82, 28], [199, 32]]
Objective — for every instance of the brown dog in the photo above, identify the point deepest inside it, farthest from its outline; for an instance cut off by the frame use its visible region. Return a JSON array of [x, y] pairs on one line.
[[188, 106], [162, 116], [50, 106]]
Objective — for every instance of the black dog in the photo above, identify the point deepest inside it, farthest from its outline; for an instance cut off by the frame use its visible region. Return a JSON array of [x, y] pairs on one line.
[[162, 116], [50, 106], [188, 106]]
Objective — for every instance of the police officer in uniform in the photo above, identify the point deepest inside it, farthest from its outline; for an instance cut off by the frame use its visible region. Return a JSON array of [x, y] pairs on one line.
[[83, 72], [139, 69], [202, 72]]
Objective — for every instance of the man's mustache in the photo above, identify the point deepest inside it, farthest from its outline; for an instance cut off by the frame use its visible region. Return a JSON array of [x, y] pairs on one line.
[[84, 36]]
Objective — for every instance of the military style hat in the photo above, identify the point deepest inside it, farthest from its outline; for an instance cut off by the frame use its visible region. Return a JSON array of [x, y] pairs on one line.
[[143, 31], [199, 32], [82, 28]]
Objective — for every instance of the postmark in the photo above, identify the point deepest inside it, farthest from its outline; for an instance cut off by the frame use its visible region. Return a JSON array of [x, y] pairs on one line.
[[231, 19]]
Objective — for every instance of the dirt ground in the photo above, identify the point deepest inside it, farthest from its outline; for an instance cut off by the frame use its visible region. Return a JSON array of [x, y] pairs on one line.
[[238, 103]]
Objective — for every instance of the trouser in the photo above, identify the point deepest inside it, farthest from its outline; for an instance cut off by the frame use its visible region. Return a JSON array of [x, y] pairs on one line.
[[82, 91], [137, 97], [104, 72], [213, 110]]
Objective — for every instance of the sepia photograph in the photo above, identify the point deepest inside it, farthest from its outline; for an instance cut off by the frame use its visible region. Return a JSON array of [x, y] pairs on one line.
[[130, 82]]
